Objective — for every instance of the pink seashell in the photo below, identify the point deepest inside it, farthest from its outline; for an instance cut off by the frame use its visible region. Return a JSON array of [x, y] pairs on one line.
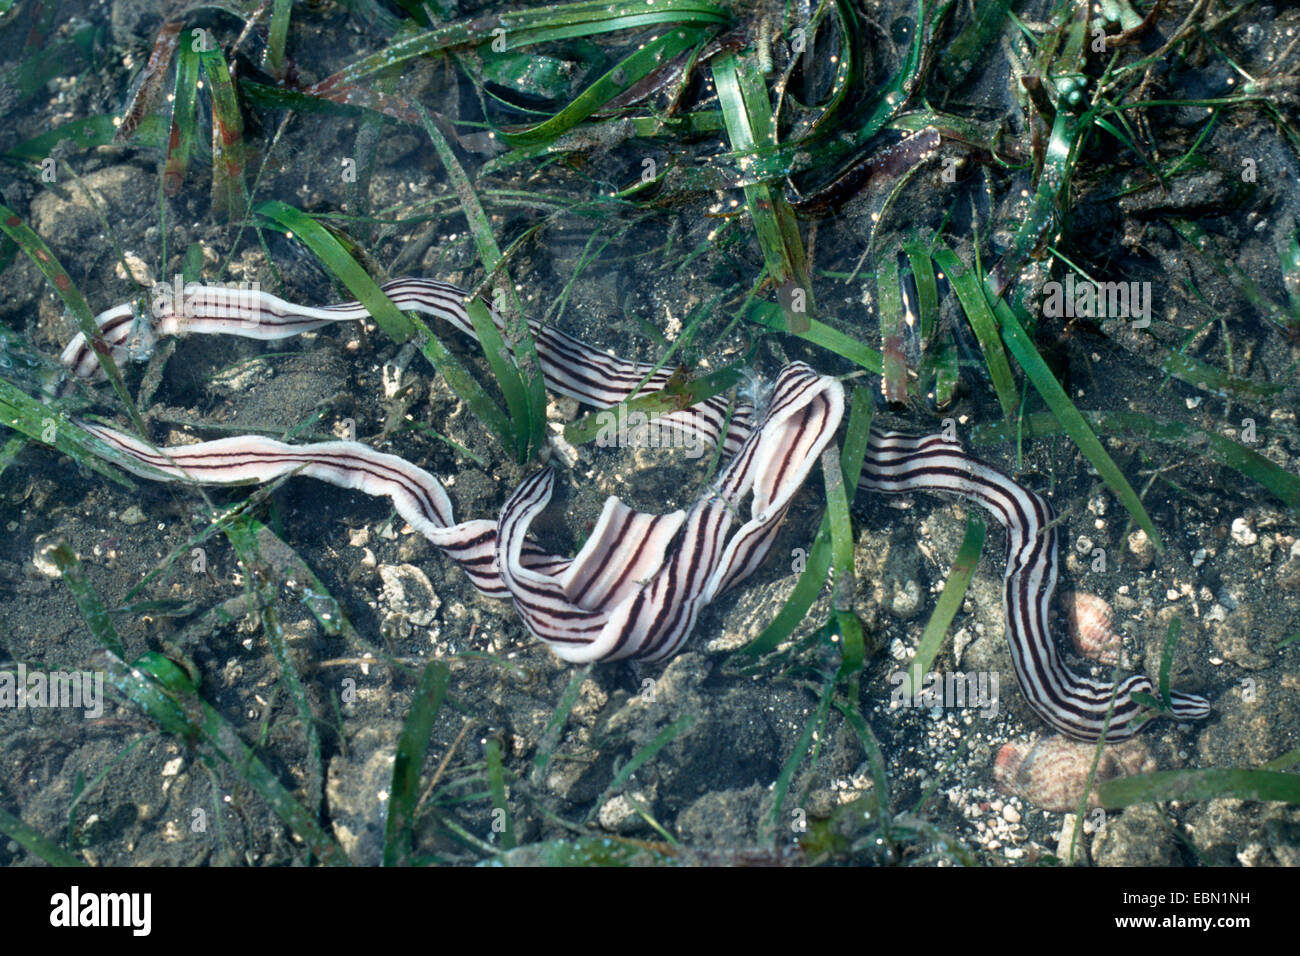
[[1090, 622], [1052, 773]]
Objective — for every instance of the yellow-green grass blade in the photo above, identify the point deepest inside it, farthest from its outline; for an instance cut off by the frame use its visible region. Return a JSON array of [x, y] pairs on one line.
[[945, 609], [409, 761], [501, 822], [277, 35], [770, 315], [49, 426], [840, 475]]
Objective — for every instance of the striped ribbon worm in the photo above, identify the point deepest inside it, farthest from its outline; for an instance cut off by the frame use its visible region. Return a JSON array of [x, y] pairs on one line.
[[637, 586]]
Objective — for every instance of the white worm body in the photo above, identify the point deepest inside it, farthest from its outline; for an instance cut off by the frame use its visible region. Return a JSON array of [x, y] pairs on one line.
[[637, 587]]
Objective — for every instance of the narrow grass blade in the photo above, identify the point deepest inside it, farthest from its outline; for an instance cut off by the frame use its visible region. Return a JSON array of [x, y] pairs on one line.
[[244, 534], [626, 74], [889, 296], [927, 290], [46, 424], [1132, 425], [1218, 382], [520, 380], [32, 244], [1284, 762], [349, 102], [770, 827], [822, 553], [92, 609], [277, 35], [229, 193], [970, 292], [852, 712], [945, 609], [166, 694], [184, 122], [411, 750], [1076, 427], [806, 591], [840, 474], [769, 315], [1212, 784], [1041, 219], [661, 740], [330, 251], [971, 45], [515, 29], [34, 843], [501, 822], [587, 852], [676, 396], [555, 726], [1198, 239], [87, 133], [747, 113]]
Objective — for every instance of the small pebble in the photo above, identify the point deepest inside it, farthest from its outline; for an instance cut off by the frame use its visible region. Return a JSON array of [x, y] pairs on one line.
[[1144, 552], [132, 515], [42, 560], [1242, 533]]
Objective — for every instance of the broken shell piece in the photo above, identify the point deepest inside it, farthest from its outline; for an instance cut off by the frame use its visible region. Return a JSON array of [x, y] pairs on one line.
[[1052, 773], [1090, 621]]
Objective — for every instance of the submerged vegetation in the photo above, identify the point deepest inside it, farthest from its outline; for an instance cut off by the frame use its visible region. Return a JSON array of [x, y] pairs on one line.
[[907, 193]]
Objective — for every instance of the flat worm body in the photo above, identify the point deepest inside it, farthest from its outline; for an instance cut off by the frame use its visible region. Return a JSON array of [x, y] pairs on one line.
[[637, 586]]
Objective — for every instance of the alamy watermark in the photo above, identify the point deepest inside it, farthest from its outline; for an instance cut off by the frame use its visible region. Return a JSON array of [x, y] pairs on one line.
[[977, 690], [1102, 300], [22, 689], [133, 911], [635, 429]]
